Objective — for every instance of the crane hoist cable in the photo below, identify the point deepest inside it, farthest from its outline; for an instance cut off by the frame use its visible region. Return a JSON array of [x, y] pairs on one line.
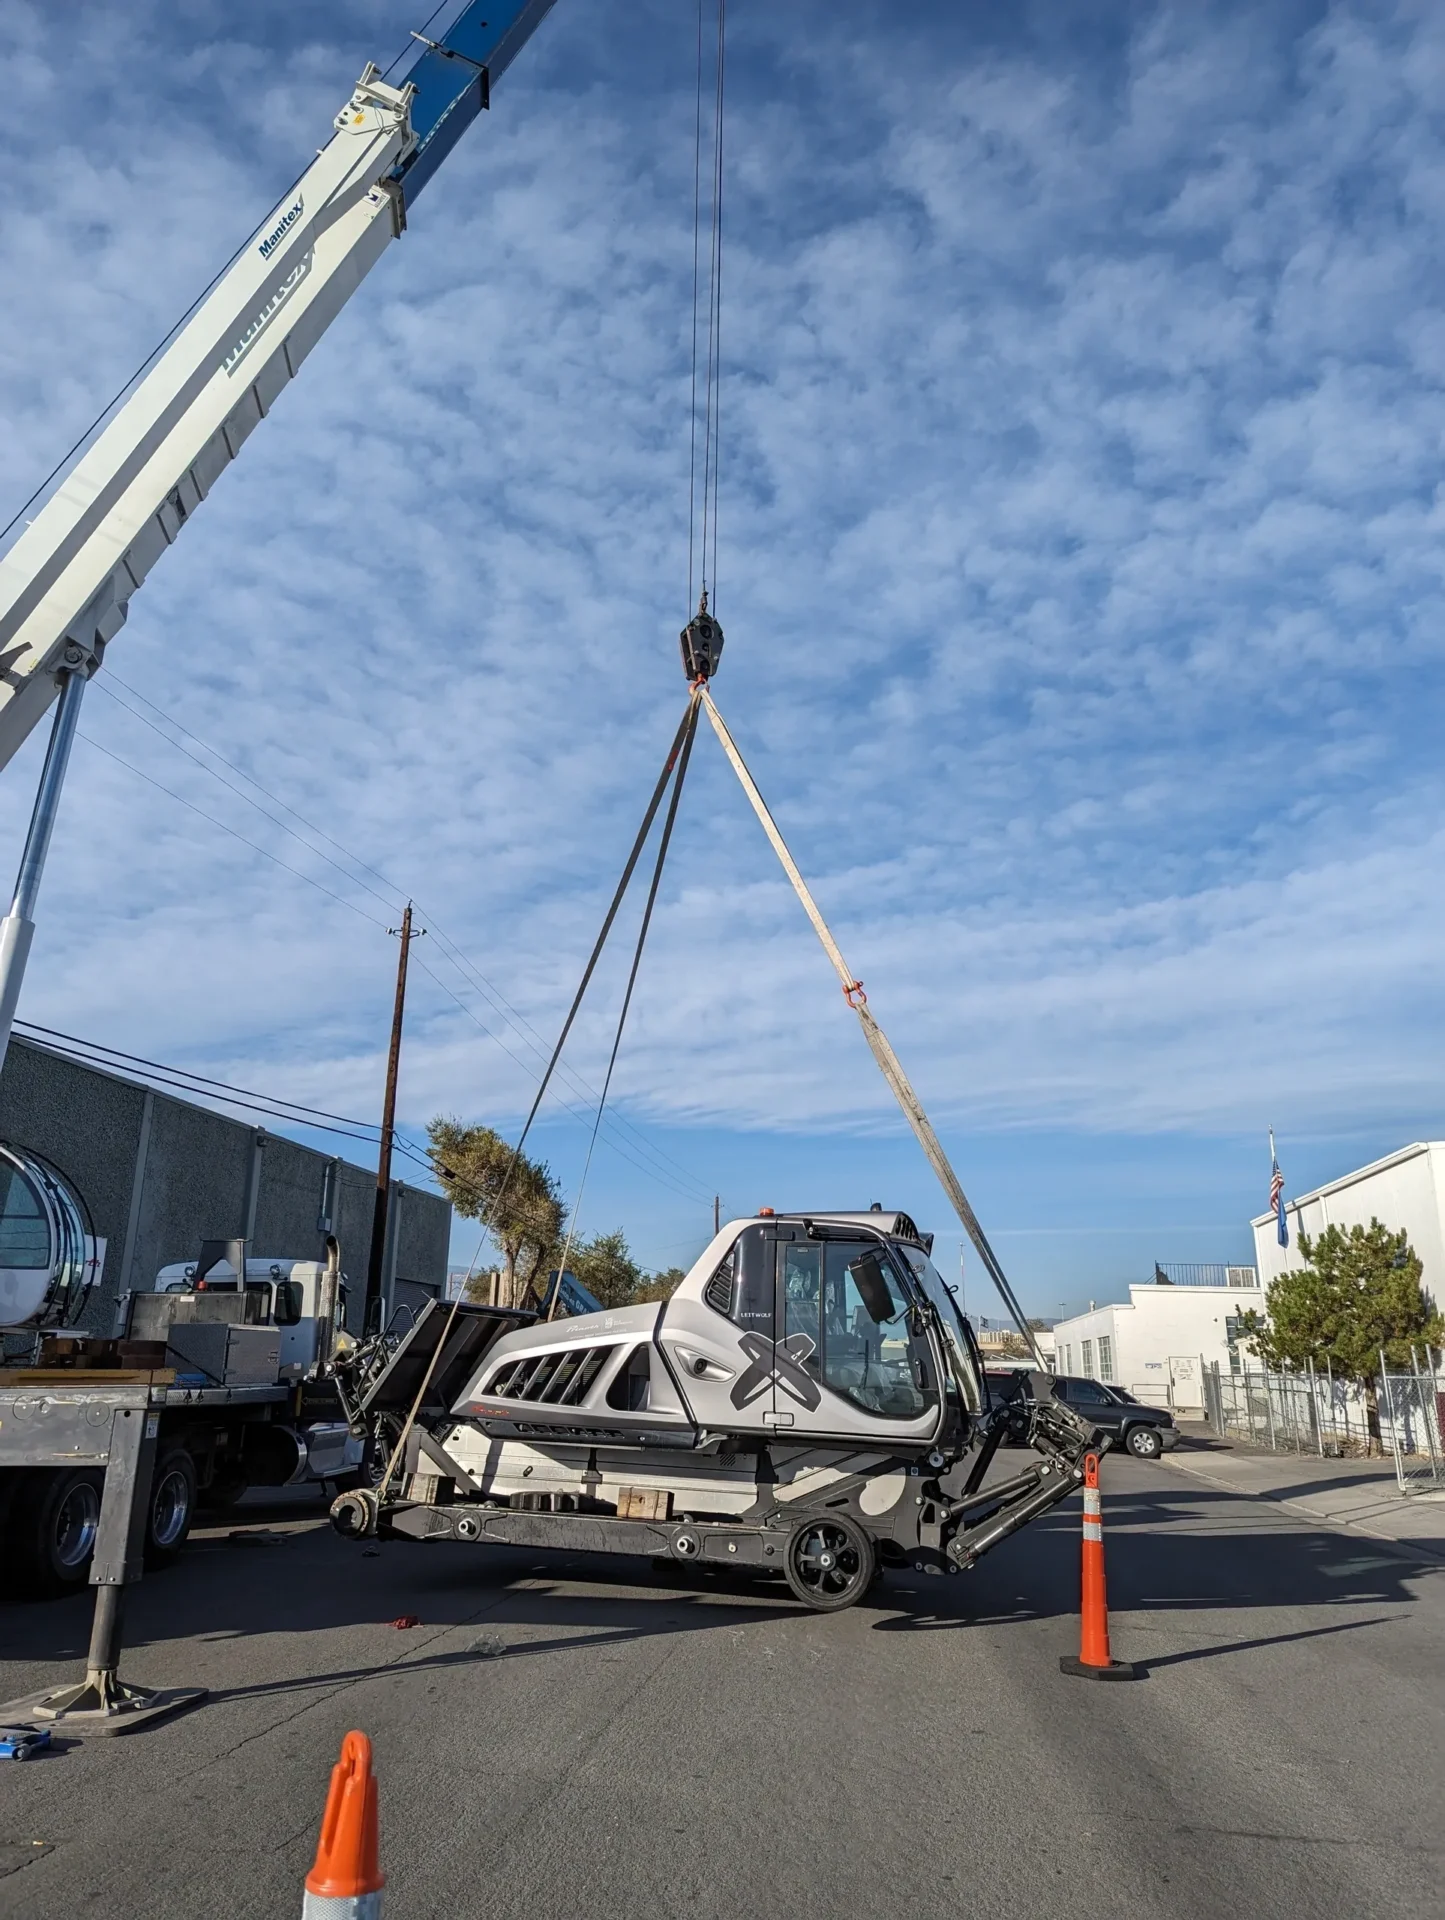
[[702, 490]]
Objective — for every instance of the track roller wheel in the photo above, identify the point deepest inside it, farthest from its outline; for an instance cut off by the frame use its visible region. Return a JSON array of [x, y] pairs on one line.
[[829, 1562]]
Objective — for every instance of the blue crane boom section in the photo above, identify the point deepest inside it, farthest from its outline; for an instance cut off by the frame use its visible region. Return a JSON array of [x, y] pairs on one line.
[[453, 79]]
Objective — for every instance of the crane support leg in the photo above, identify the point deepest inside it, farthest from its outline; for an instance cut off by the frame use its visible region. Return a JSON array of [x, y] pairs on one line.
[[18, 927]]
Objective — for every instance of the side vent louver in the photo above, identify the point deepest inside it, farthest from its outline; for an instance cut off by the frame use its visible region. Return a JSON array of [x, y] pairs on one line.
[[718, 1292], [549, 1379]]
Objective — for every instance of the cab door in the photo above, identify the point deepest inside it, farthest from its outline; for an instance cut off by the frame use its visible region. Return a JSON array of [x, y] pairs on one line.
[[851, 1357], [722, 1346]]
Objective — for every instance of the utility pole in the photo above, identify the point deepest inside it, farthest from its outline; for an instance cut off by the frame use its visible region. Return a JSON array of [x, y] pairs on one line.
[[717, 1213], [371, 1320]]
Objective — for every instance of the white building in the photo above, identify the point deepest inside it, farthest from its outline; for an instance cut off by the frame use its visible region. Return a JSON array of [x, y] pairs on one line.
[[1405, 1189], [1155, 1345]]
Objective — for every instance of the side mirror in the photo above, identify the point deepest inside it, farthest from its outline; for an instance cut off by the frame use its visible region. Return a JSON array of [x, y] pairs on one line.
[[873, 1289], [287, 1309]]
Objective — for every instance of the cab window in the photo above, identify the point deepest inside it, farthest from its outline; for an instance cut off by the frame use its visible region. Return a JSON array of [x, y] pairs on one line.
[[742, 1284], [844, 1302]]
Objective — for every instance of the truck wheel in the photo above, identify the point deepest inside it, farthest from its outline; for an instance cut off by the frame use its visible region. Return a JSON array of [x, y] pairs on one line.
[[53, 1522], [1144, 1443], [829, 1562], [172, 1507], [225, 1490]]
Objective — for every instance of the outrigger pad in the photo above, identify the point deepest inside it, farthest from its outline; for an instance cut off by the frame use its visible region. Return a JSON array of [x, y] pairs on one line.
[[79, 1710]]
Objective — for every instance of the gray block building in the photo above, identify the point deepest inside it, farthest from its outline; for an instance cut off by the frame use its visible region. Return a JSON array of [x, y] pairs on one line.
[[160, 1174]]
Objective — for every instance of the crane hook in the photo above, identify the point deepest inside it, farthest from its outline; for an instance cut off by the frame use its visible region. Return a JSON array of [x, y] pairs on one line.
[[702, 644]]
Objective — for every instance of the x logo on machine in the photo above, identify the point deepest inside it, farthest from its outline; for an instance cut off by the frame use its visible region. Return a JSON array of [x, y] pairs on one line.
[[776, 1362]]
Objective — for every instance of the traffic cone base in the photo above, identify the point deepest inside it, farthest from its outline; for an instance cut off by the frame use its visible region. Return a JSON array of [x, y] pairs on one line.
[[1094, 1660], [1116, 1669]]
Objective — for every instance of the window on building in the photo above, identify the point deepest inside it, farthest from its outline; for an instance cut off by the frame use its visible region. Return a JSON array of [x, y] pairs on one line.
[[1067, 1356], [1233, 1326], [1086, 1356], [1106, 1357]]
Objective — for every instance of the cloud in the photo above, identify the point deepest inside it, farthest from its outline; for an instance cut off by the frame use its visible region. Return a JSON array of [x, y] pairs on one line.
[[1080, 562]]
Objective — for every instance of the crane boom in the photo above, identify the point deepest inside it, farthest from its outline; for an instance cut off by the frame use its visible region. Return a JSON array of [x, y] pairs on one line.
[[67, 581]]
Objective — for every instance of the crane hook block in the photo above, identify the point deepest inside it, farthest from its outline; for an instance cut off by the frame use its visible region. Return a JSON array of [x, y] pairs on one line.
[[702, 645]]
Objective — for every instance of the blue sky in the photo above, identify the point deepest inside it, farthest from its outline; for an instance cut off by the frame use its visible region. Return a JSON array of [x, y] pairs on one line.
[[1080, 566]]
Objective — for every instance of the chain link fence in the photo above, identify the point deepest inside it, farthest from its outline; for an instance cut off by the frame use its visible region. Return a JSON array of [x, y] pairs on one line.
[[1311, 1411], [1412, 1413]]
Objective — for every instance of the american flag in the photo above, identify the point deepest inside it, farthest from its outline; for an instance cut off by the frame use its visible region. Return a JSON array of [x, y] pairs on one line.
[[1276, 1194]]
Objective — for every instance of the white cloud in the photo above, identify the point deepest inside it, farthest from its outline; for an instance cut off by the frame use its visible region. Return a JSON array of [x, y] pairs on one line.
[[1081, 563]]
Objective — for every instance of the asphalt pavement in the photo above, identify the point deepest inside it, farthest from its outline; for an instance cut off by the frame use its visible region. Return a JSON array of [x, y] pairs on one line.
[[561, 1738]]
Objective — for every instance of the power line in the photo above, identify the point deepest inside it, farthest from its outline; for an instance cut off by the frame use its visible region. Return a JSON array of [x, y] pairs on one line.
[[254, 845], [161, 345], [618, 1147], [448, 947], [92, 1052]]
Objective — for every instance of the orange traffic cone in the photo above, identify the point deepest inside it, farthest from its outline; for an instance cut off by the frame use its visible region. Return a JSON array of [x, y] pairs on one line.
[[346, 1882], [1094, 1662]]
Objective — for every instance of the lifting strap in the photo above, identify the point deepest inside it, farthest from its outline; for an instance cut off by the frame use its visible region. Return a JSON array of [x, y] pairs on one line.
[[883, 1053]]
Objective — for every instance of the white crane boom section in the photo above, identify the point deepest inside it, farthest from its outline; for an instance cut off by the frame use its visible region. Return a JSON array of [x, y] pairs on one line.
[[68, 579]]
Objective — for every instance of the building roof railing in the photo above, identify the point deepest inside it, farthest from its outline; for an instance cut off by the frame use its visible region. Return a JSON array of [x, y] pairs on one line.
[[1202, 1273]]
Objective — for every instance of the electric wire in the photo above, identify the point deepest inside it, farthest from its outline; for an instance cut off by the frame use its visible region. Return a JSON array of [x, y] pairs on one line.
[[145, 366], [577, 1113], [93, 1053], [453, 954], [686, 726], [254, 845]]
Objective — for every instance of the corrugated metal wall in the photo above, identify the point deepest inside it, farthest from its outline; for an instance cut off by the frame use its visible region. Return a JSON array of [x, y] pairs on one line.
[[160, 1175]]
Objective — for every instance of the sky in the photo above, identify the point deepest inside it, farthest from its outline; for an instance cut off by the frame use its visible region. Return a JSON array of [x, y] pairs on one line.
[[1080, 565]]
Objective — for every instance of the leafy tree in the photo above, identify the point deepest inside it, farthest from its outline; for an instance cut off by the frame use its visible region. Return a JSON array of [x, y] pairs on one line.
[[605, 1266], [1360, 1294], [662, 1286], [521, 1205]]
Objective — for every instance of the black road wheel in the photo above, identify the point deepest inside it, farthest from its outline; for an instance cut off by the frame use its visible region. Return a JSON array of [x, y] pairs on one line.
[[53, 1523], [829, 1562], [1144, 1443], [172, 1507]]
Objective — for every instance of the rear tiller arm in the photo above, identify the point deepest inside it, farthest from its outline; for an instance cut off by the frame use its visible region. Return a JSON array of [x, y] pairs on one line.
[[981, 1518]]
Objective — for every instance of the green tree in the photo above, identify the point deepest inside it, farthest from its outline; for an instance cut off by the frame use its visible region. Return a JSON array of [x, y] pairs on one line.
[[662, 1286], [521, 1205], [605, 1266], [1359, 1295]]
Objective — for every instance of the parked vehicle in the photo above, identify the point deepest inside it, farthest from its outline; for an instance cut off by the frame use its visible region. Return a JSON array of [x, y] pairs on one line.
[[235, 1380], [1146, 1432]]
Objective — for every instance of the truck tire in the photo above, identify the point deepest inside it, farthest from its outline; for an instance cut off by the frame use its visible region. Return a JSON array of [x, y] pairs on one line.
[[224, 1491], [172, 1507], [829, 1562], [54, 1518], [1144, 1443]]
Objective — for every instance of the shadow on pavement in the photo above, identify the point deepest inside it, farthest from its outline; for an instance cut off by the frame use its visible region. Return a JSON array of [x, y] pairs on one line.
[[1169, 1551]]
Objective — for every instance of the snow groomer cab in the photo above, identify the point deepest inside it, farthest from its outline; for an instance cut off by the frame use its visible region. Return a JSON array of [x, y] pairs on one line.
[[810, 1402]]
